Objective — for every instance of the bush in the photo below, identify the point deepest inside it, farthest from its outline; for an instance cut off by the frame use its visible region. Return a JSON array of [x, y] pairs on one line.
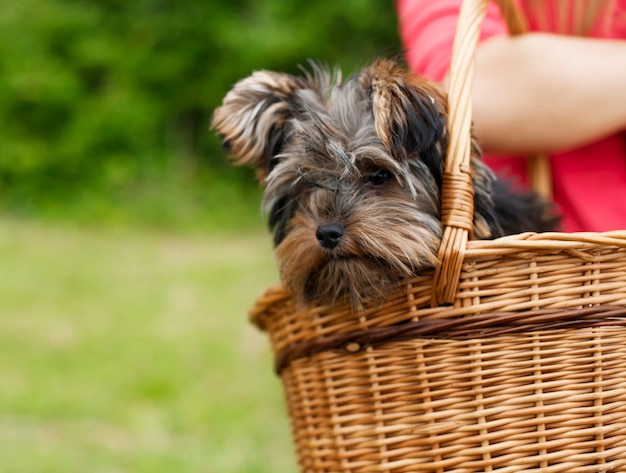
[[105, 104]]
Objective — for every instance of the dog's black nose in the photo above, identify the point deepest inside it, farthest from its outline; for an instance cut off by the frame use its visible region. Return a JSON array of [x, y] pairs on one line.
[[329, 234]]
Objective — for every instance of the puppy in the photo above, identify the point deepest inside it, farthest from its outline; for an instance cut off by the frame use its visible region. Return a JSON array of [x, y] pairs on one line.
[[353, 172]]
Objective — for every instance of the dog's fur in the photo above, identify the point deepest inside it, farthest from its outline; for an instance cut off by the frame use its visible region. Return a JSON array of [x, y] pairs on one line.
[[352, 173]]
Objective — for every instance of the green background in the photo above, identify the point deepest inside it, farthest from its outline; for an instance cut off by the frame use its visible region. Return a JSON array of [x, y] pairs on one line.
[[105, 104]]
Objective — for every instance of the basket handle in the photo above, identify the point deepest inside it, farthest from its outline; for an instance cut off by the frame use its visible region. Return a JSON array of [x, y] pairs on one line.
[[457, 193]]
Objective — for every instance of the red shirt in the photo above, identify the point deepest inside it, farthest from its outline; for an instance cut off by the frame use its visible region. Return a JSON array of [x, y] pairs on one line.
[[589, 183]]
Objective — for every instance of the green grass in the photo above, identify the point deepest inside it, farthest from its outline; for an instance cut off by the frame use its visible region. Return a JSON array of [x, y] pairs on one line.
[[130, 351]]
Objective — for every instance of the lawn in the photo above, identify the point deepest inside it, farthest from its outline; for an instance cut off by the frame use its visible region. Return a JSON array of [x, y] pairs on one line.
[[130, 351]]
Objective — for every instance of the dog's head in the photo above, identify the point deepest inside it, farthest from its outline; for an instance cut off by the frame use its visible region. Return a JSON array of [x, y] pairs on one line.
[[352, 173]]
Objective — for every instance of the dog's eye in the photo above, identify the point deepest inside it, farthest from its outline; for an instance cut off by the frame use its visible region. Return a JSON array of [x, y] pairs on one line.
[[271, 164], [380, 177]]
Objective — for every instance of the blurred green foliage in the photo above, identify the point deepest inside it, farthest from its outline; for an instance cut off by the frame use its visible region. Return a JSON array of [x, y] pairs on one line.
[[105, 104]]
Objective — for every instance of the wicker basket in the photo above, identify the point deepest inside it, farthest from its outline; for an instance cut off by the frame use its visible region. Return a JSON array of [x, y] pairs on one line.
[[510, 357]]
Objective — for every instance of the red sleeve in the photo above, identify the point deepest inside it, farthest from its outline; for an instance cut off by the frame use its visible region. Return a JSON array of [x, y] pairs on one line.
[[427, 30]]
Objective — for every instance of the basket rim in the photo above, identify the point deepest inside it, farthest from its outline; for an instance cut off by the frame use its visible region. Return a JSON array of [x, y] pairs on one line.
[[476, 326], [455, 321]]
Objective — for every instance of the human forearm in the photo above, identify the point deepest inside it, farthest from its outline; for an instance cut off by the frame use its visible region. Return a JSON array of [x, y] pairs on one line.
[[542, 93]]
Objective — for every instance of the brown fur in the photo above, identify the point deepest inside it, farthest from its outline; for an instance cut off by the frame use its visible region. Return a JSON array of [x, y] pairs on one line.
[[352, 173]]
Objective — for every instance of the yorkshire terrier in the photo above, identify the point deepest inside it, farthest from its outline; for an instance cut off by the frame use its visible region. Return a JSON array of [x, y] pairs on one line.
[[352, 174]]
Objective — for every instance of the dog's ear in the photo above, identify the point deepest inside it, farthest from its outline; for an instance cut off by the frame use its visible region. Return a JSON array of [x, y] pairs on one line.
[[409, 112], [253, 118], [410, 117]]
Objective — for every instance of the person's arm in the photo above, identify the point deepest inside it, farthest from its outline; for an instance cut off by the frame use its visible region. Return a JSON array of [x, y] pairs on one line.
[[542, 92]]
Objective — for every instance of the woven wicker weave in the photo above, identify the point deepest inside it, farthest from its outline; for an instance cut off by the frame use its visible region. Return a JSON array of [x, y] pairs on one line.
[[523, 370]]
